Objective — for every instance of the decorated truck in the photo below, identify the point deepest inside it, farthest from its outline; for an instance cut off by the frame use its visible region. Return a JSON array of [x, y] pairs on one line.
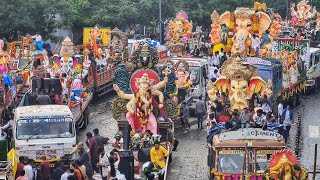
[[106, 49], [252, 154], [144, 105]]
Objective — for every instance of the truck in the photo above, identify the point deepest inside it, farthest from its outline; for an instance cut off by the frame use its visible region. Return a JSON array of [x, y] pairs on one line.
[[312, 64], [44, 130], [271, 71], [247, 150]]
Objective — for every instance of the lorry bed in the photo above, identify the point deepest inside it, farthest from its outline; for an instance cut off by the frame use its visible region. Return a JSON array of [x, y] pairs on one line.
[[78, 111]]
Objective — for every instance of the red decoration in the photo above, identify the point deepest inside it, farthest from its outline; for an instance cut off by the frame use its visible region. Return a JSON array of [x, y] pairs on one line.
[[138, 74]]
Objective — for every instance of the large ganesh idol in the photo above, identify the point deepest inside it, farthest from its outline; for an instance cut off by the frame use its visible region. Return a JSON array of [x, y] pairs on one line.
[[284, 165], [179, 29], [66, 61], [144, 89], [235, 30], [183, 82], [239, 80], [302, 15]]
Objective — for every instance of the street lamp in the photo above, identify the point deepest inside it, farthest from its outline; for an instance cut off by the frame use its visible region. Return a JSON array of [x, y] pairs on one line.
[[160, 23]]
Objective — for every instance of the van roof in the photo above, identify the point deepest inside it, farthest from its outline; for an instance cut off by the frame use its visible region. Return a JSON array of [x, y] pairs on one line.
[[313, 50], [39, 110]]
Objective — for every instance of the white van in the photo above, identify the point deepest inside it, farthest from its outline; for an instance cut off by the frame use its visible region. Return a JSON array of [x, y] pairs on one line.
[[313, 69], [44, 130]]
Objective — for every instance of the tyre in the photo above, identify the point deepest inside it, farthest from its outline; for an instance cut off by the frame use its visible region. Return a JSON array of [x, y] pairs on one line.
[[85, 118]]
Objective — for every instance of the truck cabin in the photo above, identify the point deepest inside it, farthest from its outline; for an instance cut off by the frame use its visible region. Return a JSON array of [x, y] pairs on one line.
[[37, 129], [269, 69], [314, 57], [243, 152]]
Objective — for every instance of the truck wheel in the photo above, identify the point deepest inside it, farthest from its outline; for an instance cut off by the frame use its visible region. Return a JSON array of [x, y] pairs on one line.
[[85, 120]]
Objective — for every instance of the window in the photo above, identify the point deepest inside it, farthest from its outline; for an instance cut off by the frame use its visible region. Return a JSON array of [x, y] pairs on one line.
[[231, 161], [45, 128], [262, 157]]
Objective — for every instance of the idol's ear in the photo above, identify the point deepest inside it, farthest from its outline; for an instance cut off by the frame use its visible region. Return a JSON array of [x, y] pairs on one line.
[[255, 85], [223, 84]]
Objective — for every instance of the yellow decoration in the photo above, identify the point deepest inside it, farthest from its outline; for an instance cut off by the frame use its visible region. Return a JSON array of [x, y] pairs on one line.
[[217, 47], [260, 6], [106, 36]]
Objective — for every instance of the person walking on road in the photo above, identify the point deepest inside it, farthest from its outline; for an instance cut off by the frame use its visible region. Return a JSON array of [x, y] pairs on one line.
[[287, 118], [200, 111], [98, 137], [185, 114]]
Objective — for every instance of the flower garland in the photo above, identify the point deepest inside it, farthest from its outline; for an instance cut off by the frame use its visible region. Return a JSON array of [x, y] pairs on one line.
[[255, 20], [143, 113]]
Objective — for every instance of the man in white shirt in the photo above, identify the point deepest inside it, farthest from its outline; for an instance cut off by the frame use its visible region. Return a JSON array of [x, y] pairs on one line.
[[103, 162], [28, 169], [256, 45], [258, 119], [216, 59], [265, 107], [37, 37], [280, 109], [66, 174]]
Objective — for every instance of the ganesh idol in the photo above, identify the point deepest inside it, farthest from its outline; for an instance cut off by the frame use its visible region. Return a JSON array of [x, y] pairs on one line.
[[140, 106], [302, 15], [183, 82]]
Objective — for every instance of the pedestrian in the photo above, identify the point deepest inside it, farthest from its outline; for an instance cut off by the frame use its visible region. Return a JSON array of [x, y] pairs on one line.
[[287, 118], [43, 99], [65, 175], [22, 175], [77, 173], [98, 137], [93, 146], [28, 169], [58, 171], [83, 156], [20, 165], [280, 109], [103, 163], [45, 168], [111, 169], [37, 173], [82, 169], [200, 111], [185, 115]]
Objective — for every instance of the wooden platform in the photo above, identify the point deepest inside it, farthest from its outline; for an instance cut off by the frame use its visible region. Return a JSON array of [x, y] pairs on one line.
[[77, 111]]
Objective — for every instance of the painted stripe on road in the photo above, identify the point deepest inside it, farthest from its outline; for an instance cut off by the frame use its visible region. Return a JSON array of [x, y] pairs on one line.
[[314, 131]]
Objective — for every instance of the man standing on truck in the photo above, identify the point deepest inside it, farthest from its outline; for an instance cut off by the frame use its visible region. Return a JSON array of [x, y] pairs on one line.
[[43, 99], [158, 155]]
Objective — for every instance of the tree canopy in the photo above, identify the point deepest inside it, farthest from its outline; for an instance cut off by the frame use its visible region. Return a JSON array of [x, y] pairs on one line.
[[29, 16]]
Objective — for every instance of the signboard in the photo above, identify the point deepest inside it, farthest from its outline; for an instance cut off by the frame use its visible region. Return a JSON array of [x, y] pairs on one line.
[[265, 151], [259, 61], [293, 44], [261, 158], [105, 36], [251, 133], [225, 151]]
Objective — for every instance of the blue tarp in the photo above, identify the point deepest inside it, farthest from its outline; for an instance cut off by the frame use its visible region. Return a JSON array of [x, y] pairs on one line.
[[7, 79], [40, 45]]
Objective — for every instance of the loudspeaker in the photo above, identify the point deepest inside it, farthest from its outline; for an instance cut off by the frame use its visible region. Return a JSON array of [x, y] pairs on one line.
[[126, 136], [52, 85], [126, 166], [37, 84], [144, 155]]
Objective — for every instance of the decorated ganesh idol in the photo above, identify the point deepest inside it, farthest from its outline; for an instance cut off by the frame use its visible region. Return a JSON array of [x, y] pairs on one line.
[[303, 14], [179, 29], [235, 31], [284, 165], [144, 89], [66, 61], [183, 82], [239, 80]]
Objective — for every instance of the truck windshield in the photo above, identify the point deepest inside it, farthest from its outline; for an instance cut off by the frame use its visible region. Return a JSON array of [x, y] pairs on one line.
[[231, 161], [45, 128], [265, 74], [195, 74]]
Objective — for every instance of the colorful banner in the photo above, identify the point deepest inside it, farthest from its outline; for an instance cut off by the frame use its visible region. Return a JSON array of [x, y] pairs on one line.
[[106, 37], [293, 44]]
